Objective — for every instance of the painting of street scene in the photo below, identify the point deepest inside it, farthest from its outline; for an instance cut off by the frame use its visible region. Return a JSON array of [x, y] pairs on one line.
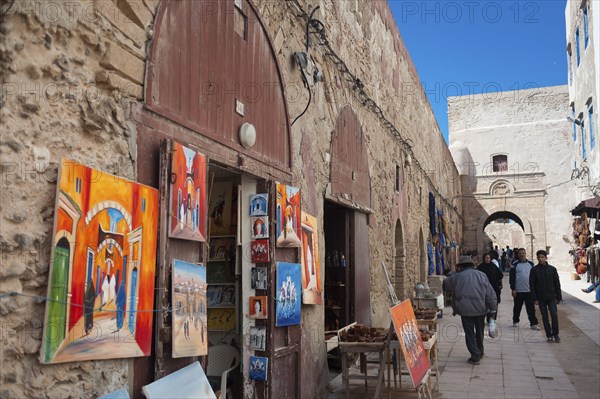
[[101, 281], [189, 310], [188, 194], [288, 216], [288, 294]]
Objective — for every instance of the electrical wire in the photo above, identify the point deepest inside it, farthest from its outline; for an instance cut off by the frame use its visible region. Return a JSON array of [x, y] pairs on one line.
[[362, 95]]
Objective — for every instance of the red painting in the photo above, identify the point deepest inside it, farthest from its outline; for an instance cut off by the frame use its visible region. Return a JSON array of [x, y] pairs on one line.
[[288, 216], [259, 251], [409, 336], [187, 219]]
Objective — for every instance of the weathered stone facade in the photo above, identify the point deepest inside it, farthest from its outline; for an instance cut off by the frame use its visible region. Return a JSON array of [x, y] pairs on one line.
[[529, 128], [72, 74], [583, 57]]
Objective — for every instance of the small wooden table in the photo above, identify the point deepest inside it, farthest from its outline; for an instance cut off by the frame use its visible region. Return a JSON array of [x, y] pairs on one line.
[[362, 348]]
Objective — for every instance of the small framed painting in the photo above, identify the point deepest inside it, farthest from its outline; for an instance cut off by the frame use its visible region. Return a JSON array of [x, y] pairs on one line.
[[260, 227], [258, 307], [258, 204], [258, 278], [258, 368], [258, 338], [259, 251]]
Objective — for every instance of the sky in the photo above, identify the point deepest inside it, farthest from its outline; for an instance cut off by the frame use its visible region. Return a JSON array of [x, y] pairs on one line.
[[477, 46]]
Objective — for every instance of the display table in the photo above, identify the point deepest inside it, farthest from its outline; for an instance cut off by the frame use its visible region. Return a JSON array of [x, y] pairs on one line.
[[431, 324], [362, 348]]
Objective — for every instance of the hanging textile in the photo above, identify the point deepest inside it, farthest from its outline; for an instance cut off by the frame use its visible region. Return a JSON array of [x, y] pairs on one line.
[[430, 257], [432, 214]]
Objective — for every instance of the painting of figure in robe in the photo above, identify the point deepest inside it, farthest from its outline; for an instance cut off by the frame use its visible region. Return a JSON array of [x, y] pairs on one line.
[[187, 216], [288, 216], [101, 280]]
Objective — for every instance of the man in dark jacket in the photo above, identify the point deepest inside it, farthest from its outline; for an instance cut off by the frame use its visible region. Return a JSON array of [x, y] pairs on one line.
[[493, 274], [545, 291], [473, 298]]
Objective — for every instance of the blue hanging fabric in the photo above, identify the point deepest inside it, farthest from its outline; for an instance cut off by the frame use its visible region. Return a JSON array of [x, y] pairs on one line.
[[430, 257], [441, 265], [432, 222]]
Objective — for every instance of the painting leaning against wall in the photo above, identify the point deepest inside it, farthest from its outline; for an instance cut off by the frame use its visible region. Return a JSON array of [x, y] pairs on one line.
[[101, 280]]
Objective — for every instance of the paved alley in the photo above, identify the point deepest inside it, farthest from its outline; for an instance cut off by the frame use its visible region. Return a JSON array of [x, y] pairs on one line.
[[519, 363]]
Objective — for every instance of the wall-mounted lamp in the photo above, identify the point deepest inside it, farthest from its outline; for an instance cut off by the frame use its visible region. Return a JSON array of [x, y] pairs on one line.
[[407, 159], [247, 135]]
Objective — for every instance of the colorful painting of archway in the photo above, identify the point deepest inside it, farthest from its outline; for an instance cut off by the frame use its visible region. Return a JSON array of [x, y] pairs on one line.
[[101, 282], [188, 194]]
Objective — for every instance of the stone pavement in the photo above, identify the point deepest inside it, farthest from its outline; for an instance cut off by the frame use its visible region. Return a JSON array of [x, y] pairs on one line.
[[519, 363]]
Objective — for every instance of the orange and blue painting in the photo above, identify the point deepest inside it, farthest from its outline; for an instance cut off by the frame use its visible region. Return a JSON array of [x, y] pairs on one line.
[[188, 194], [312, 293], [405, 325], [288, 216], [101, 282]]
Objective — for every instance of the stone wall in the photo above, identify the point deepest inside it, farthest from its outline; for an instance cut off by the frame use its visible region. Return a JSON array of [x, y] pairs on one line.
[[73, 72]]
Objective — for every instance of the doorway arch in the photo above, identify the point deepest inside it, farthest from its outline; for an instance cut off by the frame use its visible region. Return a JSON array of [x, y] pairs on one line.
[[399, 269], [511, 230]]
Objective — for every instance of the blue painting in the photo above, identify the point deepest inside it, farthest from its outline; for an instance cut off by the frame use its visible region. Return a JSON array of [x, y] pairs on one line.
[[258, 204], [258, 368], [289, 283]]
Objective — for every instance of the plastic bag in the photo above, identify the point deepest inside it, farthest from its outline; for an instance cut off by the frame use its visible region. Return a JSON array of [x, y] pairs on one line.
[[493, 328]]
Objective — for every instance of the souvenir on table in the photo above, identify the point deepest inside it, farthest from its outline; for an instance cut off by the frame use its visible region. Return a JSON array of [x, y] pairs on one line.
[[189, 310], [258, 368], [260, 227], [187, 213], [219, 208], [258, 278], [257, 338], [407, 331], [311, 269], [288, 216], [259, 251], [258, 204], [102, 269], [288, 294], [258, 307]]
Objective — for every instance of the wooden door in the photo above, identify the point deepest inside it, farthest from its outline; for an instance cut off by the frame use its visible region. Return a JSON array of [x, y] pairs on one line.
[[361, 266]]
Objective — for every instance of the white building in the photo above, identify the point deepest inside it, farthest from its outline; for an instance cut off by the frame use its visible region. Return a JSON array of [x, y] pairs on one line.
[[583, 57]]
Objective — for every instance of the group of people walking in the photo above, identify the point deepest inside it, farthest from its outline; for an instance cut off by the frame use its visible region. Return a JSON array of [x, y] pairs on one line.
[[477, 293]]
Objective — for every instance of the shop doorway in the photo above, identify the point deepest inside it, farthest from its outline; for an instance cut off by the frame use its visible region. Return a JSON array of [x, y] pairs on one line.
[[347, 260]]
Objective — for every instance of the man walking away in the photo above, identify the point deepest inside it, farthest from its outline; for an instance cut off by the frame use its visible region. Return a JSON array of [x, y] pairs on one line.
[[545, 291], [494, 276], [519, 284], [474, 297]]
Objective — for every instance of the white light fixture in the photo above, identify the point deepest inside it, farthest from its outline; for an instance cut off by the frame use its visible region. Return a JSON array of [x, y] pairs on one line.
[[247, 135]]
